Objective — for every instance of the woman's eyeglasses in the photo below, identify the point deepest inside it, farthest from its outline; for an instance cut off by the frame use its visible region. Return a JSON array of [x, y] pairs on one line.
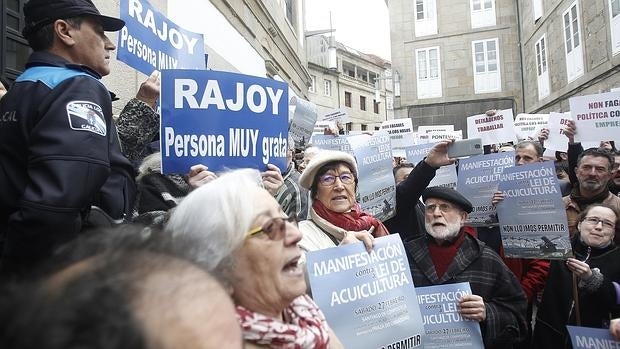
[[274, 228], [345, 178], [595, 220]]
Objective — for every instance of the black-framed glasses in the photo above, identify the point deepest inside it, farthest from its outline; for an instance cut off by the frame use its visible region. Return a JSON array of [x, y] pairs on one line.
[[274, 228], [442, 207], [595, 220], [345, 178]]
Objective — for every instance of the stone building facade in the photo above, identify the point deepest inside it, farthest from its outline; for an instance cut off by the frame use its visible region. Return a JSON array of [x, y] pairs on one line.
[[360, 84], [527, 55], [263, 38]]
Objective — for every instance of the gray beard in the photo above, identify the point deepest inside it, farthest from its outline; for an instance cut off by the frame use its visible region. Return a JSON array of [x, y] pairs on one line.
[[447, 233]]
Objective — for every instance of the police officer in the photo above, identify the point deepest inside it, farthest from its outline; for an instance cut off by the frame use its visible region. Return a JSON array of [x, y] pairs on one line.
[[59, 153]]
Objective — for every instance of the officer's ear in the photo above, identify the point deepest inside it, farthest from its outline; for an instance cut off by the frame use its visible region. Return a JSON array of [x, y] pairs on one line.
[[64, 32]]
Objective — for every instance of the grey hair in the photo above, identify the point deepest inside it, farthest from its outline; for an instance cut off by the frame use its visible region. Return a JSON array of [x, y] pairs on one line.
[[211, 222]]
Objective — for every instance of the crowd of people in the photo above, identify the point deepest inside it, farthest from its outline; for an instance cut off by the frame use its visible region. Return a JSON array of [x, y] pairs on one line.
[[102, 250]]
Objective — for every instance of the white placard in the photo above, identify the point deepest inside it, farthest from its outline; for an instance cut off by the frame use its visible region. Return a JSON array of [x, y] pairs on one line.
[[497, 128], [435, 128], [400, 131], [528, 125], [434, 137], [597, 117], [557, 139], [338, 116]]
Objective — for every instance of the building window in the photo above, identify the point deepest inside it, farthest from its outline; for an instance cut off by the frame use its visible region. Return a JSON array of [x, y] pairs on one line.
[[486, 66], [348, 69], [362, 103], [327, 88], [537, 9], [482, 13], [375, 106], [347, 99], [429, 75], [542, 68], [614, 13], [425, 17], [572, 41], [312, 88], [364, 127], [14, 51]]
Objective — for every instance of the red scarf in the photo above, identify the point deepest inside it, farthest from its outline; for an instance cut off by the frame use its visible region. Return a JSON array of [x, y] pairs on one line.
[[442, 255], [305, 326], [354, 220]]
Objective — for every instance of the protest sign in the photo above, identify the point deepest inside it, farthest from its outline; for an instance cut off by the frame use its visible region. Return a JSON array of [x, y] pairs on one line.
[[376, 186], [400, 131], [492, 129], [332, 142], [368, 298], [528, 125], [420, 138], [597, 117], [150, 41], [444, 327], [477, 181], [436, 136], [532, 216], [557, 140], [337, 116], [302, 123], [222, 120], [591, 338], [435, 128], [445, 175]]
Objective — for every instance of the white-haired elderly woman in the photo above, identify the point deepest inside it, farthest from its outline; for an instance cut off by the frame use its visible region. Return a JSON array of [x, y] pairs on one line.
[[335, 216], [239, 232]]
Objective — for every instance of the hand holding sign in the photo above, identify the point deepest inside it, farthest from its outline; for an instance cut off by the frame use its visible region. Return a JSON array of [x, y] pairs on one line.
[[472, 307], [199, 175], [272, 179]]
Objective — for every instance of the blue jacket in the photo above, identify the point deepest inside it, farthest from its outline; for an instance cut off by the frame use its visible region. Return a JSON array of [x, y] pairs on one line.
[[59, 155]]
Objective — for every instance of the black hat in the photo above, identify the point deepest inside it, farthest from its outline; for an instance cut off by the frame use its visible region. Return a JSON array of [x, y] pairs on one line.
[[449, 195], [41, 12]]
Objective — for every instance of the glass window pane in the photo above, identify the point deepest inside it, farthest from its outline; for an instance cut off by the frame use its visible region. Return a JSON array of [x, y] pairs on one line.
[[492, 65], [615, 8], [422, 71], [12, 22], [419, 4], [488, 4], [433, 63], [480, 67], [575, 33], [491, 45], [478, 47], [16, 55], [543, 56], [480, 58], [476, 5], [13, 5]]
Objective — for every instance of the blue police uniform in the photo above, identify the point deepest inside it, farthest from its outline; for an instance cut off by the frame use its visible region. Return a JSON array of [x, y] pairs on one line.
[[59, 154]]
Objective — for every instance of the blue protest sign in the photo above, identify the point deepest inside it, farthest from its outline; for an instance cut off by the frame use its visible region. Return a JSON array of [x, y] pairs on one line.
[[532, 216], [444, 326], [589, 338], [222, 120], [368, 298], [477, 181], [151, 41], [332, 142], [376, 186]]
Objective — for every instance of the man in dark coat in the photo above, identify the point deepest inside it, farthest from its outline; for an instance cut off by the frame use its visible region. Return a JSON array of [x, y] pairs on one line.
[[447, 254]]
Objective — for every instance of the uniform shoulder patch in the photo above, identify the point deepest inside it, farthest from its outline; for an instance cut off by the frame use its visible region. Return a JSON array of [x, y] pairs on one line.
[[86, 116]]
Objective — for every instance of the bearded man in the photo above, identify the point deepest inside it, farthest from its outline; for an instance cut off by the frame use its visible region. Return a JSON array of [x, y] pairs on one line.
[[448, 254]]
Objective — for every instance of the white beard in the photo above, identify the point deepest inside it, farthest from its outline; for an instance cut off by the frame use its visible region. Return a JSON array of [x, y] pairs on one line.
[[445, 233]]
